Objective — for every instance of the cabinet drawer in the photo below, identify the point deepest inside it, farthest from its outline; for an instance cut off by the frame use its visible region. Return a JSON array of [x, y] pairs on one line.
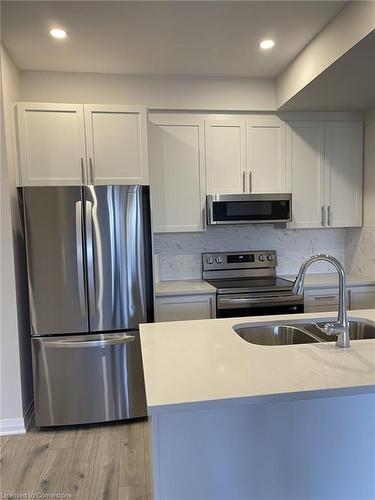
[[321, 297]]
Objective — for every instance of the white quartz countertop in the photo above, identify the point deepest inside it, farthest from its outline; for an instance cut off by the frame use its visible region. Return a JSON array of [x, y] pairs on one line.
[[191, 365], [329, 280], [312, 281], [183, 287]]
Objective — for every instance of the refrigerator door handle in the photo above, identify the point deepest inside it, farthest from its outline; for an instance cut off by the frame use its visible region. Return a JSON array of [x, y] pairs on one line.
[[79, 254], [90, 258], [109, 340]]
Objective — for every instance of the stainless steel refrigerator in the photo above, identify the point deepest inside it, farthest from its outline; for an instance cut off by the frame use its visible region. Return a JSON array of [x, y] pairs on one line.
[[89, 262]]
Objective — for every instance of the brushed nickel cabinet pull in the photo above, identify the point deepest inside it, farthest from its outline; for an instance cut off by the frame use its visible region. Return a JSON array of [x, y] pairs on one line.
[[329, 215], [323, 219], [91, 171], [250, 181], [326, 297], [83, 171], [244, 182]]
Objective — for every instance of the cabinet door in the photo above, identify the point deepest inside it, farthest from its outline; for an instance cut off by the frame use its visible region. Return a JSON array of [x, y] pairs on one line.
[[304, 150], [177, 174], [186, 307], [117, 148], [226, 156], [51, 144], [343, 173], [266, 155], [362, 298]]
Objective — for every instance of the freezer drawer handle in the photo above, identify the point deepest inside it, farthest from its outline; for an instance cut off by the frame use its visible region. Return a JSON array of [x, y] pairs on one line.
[[79, 250], [90, 343]]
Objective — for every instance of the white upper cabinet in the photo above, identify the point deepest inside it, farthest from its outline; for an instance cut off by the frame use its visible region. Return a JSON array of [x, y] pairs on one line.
[[226, 170], [266, 155], [70, 144], [177, 173], [246, 156], [326, 173], [343, 173], [305, 155], [116, 139], [51, 144]]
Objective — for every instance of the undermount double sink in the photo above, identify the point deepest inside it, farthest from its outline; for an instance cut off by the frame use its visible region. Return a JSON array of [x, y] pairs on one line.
[[300, 333]]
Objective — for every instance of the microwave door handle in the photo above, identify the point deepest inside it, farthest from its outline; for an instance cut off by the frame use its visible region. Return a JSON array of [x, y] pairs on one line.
[[79, 255], [90, 258]]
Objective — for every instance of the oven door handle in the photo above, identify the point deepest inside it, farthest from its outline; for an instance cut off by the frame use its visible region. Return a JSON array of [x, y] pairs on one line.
[[291, 299]]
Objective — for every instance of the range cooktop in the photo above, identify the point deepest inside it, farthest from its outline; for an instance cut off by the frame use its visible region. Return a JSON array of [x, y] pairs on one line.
[[251, 285]]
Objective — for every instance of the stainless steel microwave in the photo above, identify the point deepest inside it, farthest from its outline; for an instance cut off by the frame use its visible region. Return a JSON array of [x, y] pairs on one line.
[[249, 208]]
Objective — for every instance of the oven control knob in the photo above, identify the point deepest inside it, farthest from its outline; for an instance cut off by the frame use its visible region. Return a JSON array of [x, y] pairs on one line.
[[271, 257], [209, 260], [218, 260], [262, 258]]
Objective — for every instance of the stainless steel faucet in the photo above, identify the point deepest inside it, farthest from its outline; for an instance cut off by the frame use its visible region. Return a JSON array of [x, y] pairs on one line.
[[340, 327]]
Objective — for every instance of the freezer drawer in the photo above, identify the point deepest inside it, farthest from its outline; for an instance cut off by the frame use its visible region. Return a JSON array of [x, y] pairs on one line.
[[88, 378]]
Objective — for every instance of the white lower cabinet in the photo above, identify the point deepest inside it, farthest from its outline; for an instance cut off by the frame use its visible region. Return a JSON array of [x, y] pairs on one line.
[[324, 300], [362, 298], [185, 307]]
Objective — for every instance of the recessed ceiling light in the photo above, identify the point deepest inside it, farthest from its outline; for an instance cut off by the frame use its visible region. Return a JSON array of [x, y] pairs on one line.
[[266, 44], [58, 33]]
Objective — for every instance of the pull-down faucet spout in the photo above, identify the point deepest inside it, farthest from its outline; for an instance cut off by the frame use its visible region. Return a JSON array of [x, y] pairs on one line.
[[340, 327]]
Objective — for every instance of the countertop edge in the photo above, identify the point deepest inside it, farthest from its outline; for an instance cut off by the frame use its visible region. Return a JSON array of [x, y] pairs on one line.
[[260, 399], [184, 287], [201, 287]]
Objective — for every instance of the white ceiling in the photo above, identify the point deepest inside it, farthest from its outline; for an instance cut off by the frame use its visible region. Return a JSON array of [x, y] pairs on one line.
[[180, 38], [347, 85]]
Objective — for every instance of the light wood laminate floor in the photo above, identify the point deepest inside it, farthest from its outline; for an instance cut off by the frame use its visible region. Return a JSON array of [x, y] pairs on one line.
[[94, 462]]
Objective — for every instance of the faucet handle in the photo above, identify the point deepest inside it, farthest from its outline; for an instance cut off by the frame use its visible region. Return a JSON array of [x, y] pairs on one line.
[[330, 328]]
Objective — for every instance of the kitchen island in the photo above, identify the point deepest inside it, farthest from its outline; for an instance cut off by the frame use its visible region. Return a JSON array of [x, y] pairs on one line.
[[235, 420]]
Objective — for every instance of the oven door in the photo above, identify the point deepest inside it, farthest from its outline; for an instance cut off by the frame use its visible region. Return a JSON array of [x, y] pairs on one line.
[[249, 208], [229, 306]]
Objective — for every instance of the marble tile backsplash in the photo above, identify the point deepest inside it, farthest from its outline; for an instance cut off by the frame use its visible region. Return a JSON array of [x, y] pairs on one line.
[[360, 250], [179, 254]]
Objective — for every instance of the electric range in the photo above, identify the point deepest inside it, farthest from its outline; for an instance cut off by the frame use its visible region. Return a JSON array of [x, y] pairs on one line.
[[247, 285]]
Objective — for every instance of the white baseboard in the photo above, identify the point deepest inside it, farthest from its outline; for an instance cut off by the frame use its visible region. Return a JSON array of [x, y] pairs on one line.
[[10, 426]]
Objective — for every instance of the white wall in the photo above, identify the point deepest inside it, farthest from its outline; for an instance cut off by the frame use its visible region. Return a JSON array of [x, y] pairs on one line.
[[369, 169], [156, 92], [180, 253], [10, 375], [16, 379], [360, 242], [351, 25]]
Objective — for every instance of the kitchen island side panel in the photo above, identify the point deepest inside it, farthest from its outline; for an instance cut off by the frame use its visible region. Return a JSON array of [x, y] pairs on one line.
[[318, 449]]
